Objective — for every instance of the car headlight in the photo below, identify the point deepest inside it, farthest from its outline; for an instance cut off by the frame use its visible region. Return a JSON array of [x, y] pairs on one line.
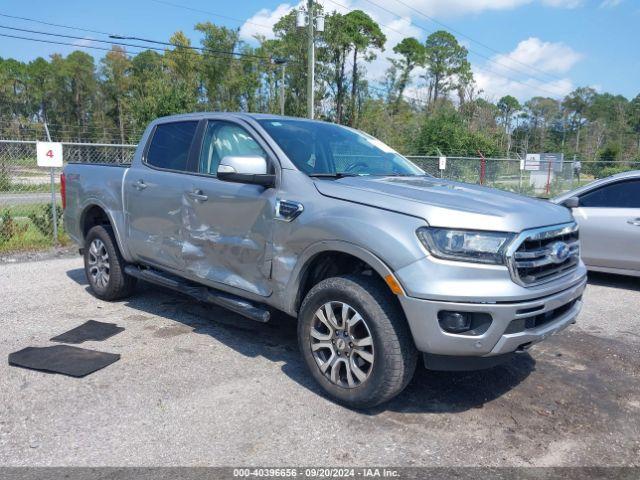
[[466, 245]]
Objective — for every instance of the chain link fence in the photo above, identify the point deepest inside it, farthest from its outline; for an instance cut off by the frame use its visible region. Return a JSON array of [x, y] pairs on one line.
[[26, 213], [548, 180]]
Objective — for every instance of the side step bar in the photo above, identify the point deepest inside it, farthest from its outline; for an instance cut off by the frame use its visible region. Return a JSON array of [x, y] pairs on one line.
[[200, 292]]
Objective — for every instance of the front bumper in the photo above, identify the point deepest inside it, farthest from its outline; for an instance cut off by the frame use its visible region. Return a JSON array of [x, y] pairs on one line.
[[429, 337]]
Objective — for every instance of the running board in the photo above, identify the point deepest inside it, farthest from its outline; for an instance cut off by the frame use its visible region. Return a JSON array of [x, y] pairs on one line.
[[200, 292]]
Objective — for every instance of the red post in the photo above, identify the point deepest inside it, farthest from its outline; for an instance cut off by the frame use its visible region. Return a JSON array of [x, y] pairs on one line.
[[548, 188], [483, 167]]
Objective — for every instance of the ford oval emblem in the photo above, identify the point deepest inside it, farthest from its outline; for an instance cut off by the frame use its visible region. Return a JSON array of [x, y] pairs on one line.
[[559, 252]]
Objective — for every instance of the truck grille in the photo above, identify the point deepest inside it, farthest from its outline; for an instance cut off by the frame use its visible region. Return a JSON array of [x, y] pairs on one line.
[[544, 254]]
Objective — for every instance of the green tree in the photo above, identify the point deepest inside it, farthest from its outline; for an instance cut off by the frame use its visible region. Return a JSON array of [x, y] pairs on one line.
[[444, 131], [216, 67], [182, 63], [412, 54], [508, 105], [576, 105], [79, 76], [633, 116], [116, 69], [366, 37], [446, 60], [541, 113]]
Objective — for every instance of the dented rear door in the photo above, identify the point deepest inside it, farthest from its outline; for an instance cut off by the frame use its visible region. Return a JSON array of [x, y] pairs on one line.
[[154, 196]]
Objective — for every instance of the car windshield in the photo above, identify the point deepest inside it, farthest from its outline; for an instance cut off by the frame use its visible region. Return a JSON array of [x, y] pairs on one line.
[[326, 149]]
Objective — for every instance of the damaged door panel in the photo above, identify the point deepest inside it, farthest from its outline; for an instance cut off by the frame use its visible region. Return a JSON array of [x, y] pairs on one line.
[[227, 226], [153, 194]]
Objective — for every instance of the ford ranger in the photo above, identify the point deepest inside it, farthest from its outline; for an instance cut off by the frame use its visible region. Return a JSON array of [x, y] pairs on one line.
[[380, 262]]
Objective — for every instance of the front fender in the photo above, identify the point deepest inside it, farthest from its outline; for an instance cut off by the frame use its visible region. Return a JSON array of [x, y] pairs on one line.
[[312, 251]]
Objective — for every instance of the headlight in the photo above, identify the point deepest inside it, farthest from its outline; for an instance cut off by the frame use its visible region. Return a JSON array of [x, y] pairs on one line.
[[466, 245]]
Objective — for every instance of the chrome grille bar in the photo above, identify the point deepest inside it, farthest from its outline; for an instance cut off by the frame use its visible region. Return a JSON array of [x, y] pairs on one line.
[[531, 259]]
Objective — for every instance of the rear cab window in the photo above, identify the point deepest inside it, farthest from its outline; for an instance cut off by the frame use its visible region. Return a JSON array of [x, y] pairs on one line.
[[170, 145]]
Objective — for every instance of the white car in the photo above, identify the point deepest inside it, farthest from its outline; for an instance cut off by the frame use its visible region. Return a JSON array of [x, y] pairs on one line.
[[608, 212]]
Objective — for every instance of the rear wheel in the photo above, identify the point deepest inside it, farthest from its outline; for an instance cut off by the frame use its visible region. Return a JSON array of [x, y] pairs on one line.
[[355, 340], [104, 265]]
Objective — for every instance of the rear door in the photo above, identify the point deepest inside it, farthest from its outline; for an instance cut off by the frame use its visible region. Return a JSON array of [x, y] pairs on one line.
[[228, 226], [154, 195], [609, 218]]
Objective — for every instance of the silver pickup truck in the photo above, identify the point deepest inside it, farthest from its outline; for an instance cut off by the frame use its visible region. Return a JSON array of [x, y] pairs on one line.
[[379, 262]]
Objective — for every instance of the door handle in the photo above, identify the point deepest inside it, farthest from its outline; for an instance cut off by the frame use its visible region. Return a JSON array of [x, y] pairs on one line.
[[635, 222], [139, 185], [198, 196]]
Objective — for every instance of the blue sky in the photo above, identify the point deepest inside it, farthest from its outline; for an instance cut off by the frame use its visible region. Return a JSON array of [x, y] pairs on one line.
[[537, 47]]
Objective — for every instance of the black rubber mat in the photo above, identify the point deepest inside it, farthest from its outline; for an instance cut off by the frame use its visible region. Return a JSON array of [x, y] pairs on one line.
[[64, 359], [91, 330]]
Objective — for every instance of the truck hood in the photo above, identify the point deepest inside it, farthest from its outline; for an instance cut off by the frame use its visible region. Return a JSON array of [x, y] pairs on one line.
[[444, 203]]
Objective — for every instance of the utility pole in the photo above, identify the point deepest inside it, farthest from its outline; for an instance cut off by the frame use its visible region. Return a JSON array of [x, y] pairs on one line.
[[311, 71], [313, 23], [283, 65]]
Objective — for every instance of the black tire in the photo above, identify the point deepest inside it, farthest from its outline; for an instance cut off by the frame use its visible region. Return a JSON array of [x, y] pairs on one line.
[[119, 284], [395, 354]]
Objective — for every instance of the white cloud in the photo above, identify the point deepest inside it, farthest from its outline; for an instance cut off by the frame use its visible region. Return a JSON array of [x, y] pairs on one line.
[[532, 68], [537, 55], [85, 42], [453, 8], [610, 3], [261, 24], [443, 8], [563, 3], [496, 86]]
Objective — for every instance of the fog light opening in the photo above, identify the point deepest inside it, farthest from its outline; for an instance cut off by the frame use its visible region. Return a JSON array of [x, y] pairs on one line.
[[454, 322]]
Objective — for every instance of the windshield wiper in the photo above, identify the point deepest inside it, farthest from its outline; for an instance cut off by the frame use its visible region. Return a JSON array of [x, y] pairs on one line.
[[333, 175]]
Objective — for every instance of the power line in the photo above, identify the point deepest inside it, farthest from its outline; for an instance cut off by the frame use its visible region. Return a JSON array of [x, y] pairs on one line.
[[458, 32], [53, 42], [470, 51], [94, 47], [123, 37], [50, 24], [185, 7]]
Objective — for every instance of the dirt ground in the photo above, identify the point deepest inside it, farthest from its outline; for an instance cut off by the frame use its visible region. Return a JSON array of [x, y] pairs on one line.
[[197, 385]]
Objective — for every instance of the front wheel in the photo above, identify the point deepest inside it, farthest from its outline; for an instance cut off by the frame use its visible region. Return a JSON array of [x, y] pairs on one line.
[[355, 340]]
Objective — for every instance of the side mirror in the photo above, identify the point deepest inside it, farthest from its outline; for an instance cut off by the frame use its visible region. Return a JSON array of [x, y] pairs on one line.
[[247, 169], [571, 202]]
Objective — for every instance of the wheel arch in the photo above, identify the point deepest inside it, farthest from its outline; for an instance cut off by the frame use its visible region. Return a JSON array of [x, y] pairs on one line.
[[351, 256], [95, 213]]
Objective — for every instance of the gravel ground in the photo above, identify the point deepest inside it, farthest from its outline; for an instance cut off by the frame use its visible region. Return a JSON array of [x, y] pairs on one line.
[[197, 385]]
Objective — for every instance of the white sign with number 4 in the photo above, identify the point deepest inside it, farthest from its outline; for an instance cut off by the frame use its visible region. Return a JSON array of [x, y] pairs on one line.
[[49, 154]]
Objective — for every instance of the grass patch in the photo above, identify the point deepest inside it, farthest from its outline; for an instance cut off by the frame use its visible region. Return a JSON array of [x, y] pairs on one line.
[[28, 188], [23, 210], [31, 239], [25, 235]]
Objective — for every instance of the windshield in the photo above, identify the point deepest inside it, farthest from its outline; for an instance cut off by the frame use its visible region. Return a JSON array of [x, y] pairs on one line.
[[319, 148]]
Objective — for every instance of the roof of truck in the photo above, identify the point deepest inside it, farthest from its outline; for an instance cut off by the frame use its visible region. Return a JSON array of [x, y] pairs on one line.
[[255, 116]]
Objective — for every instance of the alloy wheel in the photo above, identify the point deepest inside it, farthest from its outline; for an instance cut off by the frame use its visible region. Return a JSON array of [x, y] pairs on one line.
[[341, 344], [99, 263]]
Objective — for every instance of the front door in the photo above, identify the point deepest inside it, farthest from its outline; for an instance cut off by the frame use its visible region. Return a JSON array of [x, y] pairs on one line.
[[228, 226], [609, 219]]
